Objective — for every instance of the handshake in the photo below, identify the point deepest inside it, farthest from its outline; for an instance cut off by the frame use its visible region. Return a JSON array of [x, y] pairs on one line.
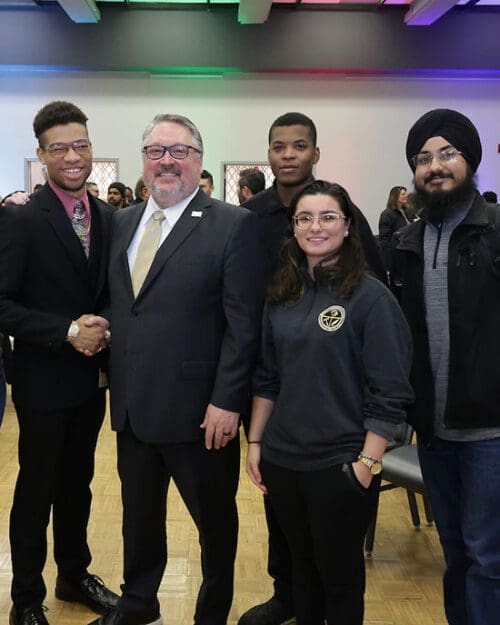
[[89, 334]]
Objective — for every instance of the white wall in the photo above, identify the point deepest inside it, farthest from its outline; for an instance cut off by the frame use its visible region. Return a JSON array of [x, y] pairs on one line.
[[362, 124]]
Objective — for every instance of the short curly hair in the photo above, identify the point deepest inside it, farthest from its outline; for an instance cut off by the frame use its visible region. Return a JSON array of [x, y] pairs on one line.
[[55, 114]]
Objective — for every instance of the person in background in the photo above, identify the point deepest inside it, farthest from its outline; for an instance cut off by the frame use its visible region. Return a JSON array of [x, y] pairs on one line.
[[447, 279], [116, 195], [251, 181], [92, 188], [326, 403], [394, 217], [141, 191], [491, 197], [207, 182], [129, 196]]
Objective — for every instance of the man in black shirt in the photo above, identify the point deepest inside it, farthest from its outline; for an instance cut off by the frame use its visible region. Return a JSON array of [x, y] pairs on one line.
[[292, 154]]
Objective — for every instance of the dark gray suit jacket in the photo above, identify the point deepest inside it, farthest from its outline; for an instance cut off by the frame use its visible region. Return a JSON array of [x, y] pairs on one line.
[[192, 335]]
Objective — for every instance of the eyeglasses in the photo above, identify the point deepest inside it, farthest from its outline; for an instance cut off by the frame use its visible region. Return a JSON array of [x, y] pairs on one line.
[[327, 220], [179, 151], [446, 155], [58, 150]]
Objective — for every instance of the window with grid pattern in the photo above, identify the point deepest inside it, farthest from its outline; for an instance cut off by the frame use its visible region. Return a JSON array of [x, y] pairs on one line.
[[231, 175], [104, 172]]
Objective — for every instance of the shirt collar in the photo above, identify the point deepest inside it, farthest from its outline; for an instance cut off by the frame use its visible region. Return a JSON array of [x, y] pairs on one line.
[[68, 201], [172, 213]]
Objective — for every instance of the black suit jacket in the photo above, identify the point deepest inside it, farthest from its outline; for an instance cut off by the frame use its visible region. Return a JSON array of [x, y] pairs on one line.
[[45, 282], [192, 335]]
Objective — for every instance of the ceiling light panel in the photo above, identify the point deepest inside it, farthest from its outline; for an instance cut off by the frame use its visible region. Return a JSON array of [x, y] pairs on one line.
[[164, 2], [183, 2]]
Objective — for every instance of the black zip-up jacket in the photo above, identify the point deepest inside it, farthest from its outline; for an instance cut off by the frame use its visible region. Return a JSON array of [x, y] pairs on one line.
[[391, 220], [473, 398]]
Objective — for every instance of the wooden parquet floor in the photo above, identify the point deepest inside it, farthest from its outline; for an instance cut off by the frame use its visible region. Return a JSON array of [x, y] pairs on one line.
[[403, 577]]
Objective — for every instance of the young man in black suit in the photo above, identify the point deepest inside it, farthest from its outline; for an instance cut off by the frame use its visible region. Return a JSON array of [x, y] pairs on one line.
[[53, 261], [186, 288]]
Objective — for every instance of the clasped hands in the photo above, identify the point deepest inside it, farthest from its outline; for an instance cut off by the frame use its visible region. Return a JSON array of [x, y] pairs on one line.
[[93, 335]]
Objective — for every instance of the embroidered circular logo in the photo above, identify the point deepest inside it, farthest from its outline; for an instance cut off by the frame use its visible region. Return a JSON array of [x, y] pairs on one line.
[[332, 318]]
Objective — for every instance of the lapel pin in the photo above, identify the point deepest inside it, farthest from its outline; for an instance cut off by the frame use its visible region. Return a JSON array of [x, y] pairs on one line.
[[196, 213]]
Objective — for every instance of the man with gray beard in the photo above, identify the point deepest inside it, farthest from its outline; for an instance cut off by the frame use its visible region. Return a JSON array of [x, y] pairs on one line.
[[186, 289]]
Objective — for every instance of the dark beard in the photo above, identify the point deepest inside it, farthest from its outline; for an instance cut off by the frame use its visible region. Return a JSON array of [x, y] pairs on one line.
[[442, 204]]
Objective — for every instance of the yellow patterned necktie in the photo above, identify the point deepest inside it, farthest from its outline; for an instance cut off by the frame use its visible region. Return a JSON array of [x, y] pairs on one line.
[[147, 250]]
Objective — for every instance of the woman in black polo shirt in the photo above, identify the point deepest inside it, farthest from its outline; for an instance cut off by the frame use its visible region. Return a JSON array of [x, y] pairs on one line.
[[329, 392]]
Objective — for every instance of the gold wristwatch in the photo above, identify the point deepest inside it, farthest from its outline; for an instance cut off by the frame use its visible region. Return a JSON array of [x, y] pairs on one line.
[[374, 464]]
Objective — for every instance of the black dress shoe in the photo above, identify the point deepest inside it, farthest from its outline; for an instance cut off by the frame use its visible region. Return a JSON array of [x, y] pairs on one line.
[[120, 618], [28, 616], [90, 591], [272, 612]]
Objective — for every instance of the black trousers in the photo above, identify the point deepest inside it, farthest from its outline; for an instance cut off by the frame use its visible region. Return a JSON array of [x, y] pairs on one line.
[[324, 515], [56, 466], [279, 558], [207, 482]]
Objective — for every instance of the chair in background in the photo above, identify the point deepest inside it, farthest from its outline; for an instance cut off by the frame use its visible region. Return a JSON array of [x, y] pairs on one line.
[[401, 469]]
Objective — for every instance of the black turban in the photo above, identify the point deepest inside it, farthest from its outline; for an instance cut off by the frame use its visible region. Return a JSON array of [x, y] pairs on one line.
[[457, 129], [119, 186]]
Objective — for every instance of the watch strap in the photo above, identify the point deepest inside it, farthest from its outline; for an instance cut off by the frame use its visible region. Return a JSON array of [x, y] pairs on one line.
[[73, 330], [374, 464]]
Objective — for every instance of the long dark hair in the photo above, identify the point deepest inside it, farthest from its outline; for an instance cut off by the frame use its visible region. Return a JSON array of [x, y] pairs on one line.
[[289, 283], [392, 200]]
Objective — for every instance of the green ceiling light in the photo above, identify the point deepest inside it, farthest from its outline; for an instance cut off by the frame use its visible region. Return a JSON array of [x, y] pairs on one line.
[[166, 2], [163, 2], [207, 3], [190, 72]]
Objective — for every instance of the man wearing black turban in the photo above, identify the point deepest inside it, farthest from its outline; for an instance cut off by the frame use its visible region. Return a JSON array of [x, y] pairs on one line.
[[447, 277], [117, 195]]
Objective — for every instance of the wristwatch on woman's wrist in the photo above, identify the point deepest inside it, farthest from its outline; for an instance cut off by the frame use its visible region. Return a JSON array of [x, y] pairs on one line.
[[374, 464]]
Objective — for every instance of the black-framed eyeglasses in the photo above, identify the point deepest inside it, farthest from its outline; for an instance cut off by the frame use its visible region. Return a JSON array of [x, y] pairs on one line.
[[58, 150], [327, 220], [446, 155], [179, 151]]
